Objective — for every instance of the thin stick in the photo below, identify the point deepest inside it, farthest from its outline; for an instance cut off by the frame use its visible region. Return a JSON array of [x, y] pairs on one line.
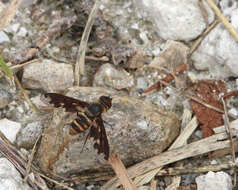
[[80, 62], [204, 34], [228, 129], [25, 94], [28, 166], [223, 19]]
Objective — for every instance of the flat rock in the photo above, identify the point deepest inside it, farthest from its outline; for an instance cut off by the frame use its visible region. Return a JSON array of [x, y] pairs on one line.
[[10, 178], [136, 131], [177, 19], [48, 75]]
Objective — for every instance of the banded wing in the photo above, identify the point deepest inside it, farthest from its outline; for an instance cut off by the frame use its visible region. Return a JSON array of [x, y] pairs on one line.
[[98, 133], [70, 104]]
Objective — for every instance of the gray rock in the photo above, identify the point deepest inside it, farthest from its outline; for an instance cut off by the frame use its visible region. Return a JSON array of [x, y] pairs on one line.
[[218, 56], [176, 20], [13, 28], [136, 130], [109, 76], [29, 135], [48, 75], [5, 98], [214, 181], [10, 178], [4, 37]]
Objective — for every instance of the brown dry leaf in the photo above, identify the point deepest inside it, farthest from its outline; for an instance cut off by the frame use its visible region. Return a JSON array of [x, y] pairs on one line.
[[121, 173], [208, 91], [7, 14]]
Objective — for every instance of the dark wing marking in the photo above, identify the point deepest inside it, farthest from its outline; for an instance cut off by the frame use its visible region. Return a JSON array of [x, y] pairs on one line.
[[98, 133], [66, 102]]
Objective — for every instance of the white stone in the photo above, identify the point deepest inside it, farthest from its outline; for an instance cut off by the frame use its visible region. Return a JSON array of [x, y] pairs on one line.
[[10, 179], [12, 28], [214, 181], [213, 162], [22, 32], [141, 83], [233, 111], [218, 52], [177, 19], [9, 129], [4, 37], [198, 133]]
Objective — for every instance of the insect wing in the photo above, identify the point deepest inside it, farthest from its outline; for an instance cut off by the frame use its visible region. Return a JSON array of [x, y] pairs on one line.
[[98, 133], [70, 104]]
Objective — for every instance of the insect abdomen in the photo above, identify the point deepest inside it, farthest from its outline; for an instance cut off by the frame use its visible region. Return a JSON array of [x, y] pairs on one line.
[[80, 124]]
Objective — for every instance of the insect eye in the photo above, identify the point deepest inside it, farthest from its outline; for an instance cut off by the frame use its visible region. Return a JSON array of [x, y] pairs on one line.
[[106, 101]]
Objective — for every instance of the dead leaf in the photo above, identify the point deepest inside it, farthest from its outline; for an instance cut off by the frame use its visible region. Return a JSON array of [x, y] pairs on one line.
[[208, 91]]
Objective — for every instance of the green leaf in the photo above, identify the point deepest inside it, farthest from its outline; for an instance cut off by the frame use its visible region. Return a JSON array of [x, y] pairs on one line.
[[5, 68]]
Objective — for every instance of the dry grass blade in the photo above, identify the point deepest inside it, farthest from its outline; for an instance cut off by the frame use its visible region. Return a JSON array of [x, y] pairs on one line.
[[28, 167], [204, 34], [228, 129], [17, 67], [16, 161], [200, 147], [196, 170], [80, 62], [223, 19], [8, 14], [121, 173], [175, 183]]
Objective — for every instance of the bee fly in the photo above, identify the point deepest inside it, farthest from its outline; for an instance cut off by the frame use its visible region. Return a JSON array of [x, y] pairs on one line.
[[88, 116]]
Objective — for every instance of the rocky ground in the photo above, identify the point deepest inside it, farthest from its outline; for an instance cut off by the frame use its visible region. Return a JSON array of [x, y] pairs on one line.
[[132, 45]]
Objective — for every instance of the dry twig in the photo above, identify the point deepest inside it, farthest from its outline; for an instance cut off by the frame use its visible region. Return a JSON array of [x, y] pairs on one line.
[[179, 69], [80, 62], [204, 34], [223, 19]]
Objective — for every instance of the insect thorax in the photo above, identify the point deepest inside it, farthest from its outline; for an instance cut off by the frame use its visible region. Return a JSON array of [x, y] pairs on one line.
[[95, 109]]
